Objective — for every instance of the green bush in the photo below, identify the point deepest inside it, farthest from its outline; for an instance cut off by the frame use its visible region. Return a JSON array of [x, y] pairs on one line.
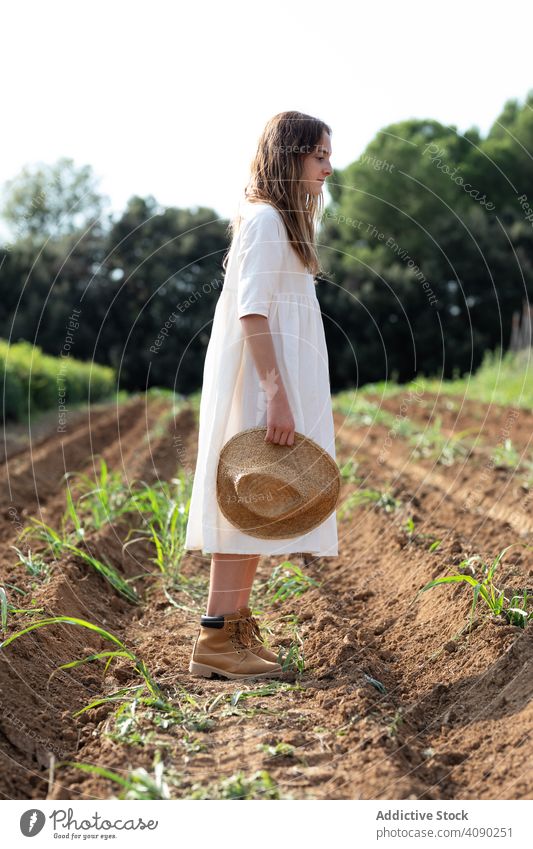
[[30, 374]]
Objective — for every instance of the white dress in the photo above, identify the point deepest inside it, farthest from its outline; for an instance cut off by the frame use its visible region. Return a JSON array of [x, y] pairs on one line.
[[264, 275]]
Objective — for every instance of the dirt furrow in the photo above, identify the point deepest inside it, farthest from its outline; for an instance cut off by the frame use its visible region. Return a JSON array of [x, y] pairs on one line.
[[35, 720], [452, 700], [470, 487]]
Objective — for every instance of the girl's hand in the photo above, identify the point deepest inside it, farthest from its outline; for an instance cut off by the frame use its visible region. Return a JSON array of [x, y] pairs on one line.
[[280, 423]]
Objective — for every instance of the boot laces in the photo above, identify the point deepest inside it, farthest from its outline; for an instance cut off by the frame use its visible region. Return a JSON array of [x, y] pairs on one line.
[[244, 632], [251, 631], [256, 628]]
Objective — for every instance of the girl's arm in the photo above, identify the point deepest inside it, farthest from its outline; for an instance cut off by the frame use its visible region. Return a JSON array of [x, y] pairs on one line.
[[280, 422]]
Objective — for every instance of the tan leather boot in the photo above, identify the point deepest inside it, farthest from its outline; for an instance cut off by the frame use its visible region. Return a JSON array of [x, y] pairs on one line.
[[221, 647], [256, 643]]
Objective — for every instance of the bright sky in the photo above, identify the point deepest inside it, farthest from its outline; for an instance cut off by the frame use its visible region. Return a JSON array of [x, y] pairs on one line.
[[169, 98]]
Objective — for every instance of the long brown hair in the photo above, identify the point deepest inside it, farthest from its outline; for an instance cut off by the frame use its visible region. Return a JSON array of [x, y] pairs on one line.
[[276, 178]]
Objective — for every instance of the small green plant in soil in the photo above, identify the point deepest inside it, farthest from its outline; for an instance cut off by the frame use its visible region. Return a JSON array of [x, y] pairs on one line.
[[348, 471], [165, 509], [60, 543], [138, 784], [382, 500], [260, 785], [517, 612], [288, 581], [139, 665], [99, 501], [293, 658], [434, 444], [278, 750], [6, 607], [138, 718], [414, 536], [505, 455], [392, 728], [35, 564], [231, 704]]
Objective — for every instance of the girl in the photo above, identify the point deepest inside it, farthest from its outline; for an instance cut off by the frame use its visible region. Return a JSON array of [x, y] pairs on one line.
[[266, 365]]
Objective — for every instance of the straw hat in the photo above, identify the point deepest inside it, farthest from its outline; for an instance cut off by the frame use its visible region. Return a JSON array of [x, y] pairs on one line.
[[274, 491]]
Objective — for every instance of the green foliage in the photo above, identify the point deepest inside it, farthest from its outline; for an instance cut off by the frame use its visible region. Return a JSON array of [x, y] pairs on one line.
[[139, 665], [414, 536], [165, 509], [33, 380], [488, 592], [50, 201], [504, 378], [288, 581], [415, 253], [138, 784], [6, 607], [375, 683], [35, 564], [293, 660], [260, 785], [382, 500], [101, 503], [137, 719], [446, 450], [348, 472], [506, 455], [61, 542], [146, 285], [360, 410], [233, 704], [279, 750]]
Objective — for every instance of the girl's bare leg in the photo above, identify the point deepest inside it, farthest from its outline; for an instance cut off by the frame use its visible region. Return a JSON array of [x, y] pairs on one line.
[[251, 568], [230, 583]]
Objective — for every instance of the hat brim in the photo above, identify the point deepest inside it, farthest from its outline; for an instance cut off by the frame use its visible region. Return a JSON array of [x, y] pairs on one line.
[[247, 448]]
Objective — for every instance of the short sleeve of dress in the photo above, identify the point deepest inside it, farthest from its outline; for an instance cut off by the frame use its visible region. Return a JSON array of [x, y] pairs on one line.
[[260, 262]]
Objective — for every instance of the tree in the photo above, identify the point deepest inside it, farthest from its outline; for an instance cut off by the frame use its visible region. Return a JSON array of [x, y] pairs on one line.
[[51, 201], [427, 209]]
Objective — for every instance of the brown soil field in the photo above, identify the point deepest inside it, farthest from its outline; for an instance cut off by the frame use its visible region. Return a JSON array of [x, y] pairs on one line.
[[398, 699]]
